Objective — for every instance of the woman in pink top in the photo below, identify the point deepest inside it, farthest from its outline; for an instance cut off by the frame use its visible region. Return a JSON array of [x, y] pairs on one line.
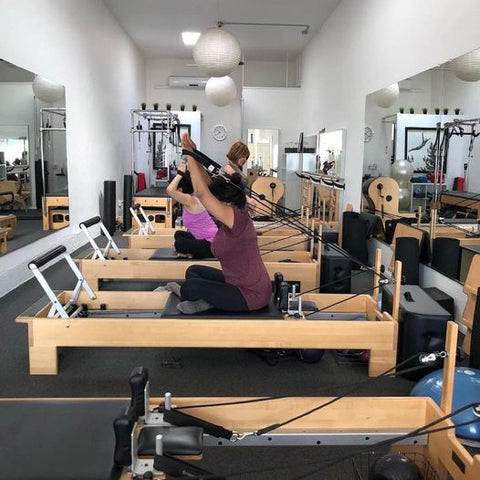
[[196, 241], [243, 283]]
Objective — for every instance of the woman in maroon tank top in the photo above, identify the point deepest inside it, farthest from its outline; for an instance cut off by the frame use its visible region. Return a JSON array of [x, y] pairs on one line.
[[243, 283]]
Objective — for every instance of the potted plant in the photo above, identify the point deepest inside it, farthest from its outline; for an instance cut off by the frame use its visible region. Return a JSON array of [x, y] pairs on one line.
[[169, 106], [194, 107], [424, 110], [401, 109], [457, 111], [445, 111], [437, 111], [412, 110], [155, 106], [144, 106], [182, 107]]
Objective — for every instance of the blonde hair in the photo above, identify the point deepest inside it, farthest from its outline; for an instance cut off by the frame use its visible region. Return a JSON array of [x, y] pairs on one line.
[[237, 151]]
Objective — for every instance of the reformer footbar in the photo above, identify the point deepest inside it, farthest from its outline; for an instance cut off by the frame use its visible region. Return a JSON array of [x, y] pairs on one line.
[[143, 228], [69, 309], [97, 253]]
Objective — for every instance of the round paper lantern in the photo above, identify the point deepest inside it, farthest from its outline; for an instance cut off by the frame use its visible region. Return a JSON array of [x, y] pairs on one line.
[[467, 67], [47, 90], [220, 90], [387, 96], [217, 52]]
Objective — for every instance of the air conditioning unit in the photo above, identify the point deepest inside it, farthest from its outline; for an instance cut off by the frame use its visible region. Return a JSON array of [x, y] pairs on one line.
[[187, 82]]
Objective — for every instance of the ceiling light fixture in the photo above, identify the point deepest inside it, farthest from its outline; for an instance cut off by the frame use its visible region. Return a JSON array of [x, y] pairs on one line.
[[46, 90], [306, 28], [220, 90], [190, 38], [387, 96], [217, 52], [467, 67]]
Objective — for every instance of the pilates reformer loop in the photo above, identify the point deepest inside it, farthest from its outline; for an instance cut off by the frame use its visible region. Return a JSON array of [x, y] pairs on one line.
[[97, 253], [69, 309]]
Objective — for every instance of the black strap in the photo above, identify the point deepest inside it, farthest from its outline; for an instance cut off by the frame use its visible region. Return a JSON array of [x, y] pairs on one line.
[[181, 419], [207, 162]]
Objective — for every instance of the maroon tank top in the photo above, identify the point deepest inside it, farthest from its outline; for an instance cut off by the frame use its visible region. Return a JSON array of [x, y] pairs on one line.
[[238, 253]]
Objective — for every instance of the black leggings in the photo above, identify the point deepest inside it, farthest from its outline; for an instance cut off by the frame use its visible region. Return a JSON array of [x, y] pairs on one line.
[[185, 242], [207, 283]]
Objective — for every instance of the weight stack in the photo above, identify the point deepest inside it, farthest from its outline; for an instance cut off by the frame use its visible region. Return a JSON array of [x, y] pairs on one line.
[[422, 327], [127, 201], [109, 199]]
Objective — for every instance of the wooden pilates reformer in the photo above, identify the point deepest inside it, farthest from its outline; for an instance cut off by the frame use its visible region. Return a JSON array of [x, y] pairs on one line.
[[273, 235], [87, 318], [55, 205], [154, 437], [149, 264]]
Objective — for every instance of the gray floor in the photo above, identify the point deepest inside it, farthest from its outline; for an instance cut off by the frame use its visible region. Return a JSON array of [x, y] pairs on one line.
[[103, 372]]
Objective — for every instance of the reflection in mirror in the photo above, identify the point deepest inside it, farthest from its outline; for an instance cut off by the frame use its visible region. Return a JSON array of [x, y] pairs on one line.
[[263, 146], [424, 136], [32, 133]]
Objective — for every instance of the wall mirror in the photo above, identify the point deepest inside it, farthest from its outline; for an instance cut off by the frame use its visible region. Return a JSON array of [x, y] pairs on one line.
[[33, 160], [263, 146], [401, 125]]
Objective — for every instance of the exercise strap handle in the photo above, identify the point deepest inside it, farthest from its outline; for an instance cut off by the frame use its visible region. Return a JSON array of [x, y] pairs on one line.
[[181, 419], [90, 222], [47, 257], [207, 162]]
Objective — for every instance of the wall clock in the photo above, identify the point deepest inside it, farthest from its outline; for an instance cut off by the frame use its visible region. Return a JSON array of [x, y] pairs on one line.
[[219, 132], [368, 135]]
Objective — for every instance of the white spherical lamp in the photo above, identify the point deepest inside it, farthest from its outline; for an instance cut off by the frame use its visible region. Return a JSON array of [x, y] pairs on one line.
[[46, 90], [220, 90], [387, 96], [467, 67], [217, 52]]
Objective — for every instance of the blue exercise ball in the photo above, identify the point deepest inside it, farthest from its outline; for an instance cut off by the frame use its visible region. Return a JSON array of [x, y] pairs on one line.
[[394, 466], [466, 390]]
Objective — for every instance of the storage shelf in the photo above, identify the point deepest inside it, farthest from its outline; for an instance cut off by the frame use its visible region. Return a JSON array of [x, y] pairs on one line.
[[421, 193]]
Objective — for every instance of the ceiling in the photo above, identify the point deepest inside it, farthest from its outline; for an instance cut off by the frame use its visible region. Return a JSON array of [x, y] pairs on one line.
[[155, 26]]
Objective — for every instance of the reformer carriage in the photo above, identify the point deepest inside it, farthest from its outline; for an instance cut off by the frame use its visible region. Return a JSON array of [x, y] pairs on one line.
[[150, 438], [92, 318], [300, 267]]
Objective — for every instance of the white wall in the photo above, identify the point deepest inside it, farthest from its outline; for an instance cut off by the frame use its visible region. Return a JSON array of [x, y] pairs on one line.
[[80, 45], [273, 108], [367, 45], [269, 108]]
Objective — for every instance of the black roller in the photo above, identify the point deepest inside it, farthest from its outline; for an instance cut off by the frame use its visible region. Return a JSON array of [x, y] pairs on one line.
[[407, 251], [475, 342], [127, 201], [47, 257], [354, 236], [109, 199], [446, 256], [91, 221]]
